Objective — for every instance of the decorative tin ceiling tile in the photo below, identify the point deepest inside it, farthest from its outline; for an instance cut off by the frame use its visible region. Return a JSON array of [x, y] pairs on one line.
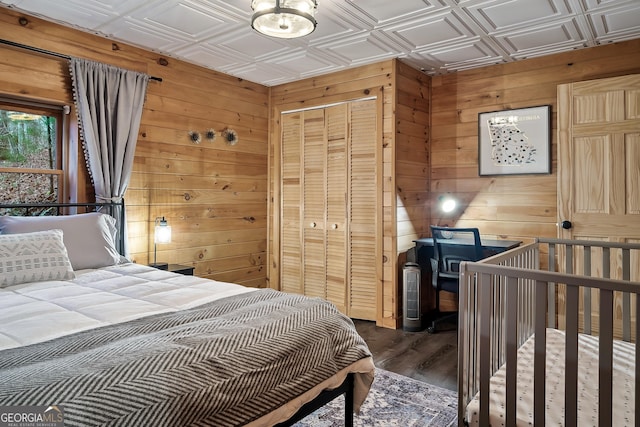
[[437, 36]]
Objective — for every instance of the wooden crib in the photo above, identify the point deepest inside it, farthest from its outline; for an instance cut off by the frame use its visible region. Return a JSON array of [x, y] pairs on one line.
[[581, 298]]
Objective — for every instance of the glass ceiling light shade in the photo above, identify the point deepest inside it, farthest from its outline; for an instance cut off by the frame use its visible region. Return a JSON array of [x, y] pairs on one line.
[[285, 19]]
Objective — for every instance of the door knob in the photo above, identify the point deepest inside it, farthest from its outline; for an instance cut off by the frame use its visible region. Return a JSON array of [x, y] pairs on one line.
[[334, 226], [312, 225], [566, 224]]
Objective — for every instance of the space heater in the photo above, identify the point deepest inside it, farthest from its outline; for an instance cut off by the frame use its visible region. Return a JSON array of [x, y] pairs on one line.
[[412, 316]]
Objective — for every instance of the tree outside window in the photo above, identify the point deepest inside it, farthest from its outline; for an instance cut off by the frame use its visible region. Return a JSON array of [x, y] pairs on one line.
[[30, 154]]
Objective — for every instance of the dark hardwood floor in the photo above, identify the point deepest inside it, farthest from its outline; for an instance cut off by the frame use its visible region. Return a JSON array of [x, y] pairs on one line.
[[432, 358]]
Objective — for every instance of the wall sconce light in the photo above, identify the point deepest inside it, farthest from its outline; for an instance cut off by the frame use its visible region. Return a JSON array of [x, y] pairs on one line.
[[447, 204], [162, 234], [285, 19]]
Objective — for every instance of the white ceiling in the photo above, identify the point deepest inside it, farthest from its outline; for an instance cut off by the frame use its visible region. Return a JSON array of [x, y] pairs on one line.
[[437, 36]]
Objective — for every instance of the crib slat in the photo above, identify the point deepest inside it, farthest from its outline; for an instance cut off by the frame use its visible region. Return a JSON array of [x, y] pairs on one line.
[[626, 316], [551, 289], [498, 316], [540, 356], [637, 405], [626, 297], [464, 340], [512, 348], [485, 296], [587, 291], [571, 358], [605, 356]]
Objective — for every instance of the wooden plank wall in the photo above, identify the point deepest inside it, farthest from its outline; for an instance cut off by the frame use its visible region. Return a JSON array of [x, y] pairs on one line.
[[213, 194], [357, 83], [412, 169], [510, 207]]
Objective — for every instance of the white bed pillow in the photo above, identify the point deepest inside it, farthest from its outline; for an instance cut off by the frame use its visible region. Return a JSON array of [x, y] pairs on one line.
[[33, 257], [90, 238]]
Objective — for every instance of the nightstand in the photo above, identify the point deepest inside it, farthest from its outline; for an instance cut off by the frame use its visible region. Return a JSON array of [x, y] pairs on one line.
[[187, 270]]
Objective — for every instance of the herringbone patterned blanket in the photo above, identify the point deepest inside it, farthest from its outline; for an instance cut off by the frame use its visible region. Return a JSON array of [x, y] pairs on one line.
[[221, 364]]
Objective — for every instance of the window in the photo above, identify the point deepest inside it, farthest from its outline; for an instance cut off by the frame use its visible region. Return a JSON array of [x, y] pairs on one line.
[[30, 153]]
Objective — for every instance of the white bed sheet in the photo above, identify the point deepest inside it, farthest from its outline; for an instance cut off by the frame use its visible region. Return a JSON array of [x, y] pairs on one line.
[[623, 384], [37, 312]]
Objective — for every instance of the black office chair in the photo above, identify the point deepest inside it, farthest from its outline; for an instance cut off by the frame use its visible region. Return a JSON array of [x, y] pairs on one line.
[[451, 246]]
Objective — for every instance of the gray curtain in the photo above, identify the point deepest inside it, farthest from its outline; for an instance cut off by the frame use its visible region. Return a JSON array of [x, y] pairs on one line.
[[109, 102]]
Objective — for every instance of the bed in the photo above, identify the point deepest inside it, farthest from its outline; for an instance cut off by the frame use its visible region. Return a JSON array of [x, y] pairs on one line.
[[548, 336], [109, 342]]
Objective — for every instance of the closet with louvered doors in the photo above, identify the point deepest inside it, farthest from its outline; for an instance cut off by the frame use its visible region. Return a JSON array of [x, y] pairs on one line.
[[330, 205]]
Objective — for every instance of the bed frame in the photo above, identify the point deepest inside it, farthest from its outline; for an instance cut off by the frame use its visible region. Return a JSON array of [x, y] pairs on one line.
[[325, 397], [117, 210], [509, 297]]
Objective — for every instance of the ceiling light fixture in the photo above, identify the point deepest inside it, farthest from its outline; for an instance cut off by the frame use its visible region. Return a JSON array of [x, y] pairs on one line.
[[284, 19]]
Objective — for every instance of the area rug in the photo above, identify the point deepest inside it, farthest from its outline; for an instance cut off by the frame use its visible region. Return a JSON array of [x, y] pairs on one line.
[[394, 400]]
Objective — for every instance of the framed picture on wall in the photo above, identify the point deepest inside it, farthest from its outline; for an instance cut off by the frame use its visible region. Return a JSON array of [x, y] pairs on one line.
[[512, 142]]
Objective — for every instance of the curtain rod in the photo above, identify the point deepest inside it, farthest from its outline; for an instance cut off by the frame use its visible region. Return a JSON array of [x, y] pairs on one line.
[[50, 53]]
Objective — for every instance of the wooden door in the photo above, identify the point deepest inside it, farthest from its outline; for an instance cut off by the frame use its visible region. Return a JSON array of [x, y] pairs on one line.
[[313, 205], [291, 200], [599, 159], [330, 206], [364, 208], [336, 212], [599, 170], [314, 199]]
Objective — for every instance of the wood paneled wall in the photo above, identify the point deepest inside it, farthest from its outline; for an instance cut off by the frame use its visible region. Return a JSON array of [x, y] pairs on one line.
[[214, 195], [513, 207], [412, 171]]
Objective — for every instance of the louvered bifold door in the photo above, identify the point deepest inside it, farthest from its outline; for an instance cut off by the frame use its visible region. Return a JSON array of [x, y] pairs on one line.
[[331, 206], [314, 203], [363, 208], [336, 214], [291, 233]]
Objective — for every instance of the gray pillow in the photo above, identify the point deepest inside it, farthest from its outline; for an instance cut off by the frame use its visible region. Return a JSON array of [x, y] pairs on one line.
[[90, 238]]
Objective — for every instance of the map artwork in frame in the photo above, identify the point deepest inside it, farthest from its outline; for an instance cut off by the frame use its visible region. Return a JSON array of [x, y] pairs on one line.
[[512, 142]]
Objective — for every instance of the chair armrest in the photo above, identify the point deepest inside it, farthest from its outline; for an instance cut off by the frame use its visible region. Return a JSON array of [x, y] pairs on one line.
[[435, 271]]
